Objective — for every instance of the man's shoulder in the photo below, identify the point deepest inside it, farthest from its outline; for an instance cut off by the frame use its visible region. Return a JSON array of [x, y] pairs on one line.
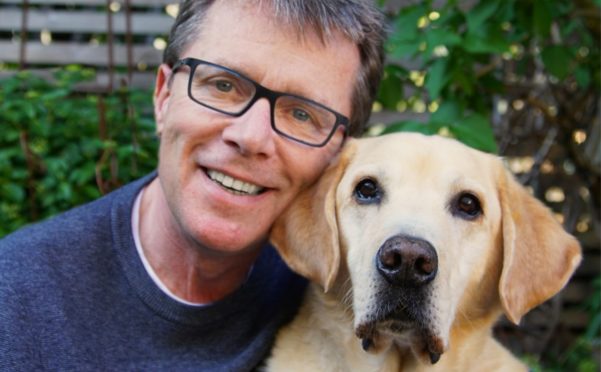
[[70, 233], [59, 228]]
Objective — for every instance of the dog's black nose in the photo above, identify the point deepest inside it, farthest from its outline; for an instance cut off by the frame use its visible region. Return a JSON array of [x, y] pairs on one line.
[[407, 261]]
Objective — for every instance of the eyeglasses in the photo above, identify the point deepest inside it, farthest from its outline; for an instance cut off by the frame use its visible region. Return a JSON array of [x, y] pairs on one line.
[[229, 92]]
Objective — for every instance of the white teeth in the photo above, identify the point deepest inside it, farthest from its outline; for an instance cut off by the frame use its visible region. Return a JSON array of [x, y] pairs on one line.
[[237, 187]]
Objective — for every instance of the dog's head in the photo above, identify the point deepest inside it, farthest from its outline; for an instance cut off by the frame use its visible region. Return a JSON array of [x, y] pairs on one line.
[[433, 235]]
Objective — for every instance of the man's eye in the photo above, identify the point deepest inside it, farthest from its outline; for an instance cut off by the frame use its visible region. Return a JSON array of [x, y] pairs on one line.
[[301, 115], [224, 86]]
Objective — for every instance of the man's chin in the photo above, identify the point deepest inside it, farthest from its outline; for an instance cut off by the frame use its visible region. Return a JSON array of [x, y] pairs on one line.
[[230, 248], [222, 235]]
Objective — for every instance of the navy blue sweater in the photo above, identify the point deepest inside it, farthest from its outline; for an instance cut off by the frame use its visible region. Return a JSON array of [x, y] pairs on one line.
[[74, 295]]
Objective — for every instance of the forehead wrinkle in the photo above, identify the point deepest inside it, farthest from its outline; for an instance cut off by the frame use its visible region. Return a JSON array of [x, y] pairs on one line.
[[306, 41], [267, 78]]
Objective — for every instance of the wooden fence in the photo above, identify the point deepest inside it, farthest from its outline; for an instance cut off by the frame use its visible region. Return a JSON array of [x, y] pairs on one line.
[[122, 39]]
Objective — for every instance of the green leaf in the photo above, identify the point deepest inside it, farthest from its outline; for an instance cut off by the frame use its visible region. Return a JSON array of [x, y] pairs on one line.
[[475, 131], [126, 151], [448, 113], [485, 42], [404, 40], [58, 93], [405, 49], [412, 126], [436, 78], [440, 37], [542, 18], [13, 192], [477, 16], [65, 191], [405, 24], [557, 60], [84, 173], [391, 87], [29, 109], [583, 77], [506, 11]]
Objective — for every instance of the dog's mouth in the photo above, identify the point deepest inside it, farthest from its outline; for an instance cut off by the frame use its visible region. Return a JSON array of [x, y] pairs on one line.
[[406, 317], [420, 338], [400, 309]]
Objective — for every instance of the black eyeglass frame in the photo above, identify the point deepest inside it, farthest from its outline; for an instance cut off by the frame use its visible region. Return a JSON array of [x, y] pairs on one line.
[[260, 92]]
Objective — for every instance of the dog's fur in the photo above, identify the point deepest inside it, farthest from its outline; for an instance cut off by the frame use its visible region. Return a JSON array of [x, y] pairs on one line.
[[509, 258]]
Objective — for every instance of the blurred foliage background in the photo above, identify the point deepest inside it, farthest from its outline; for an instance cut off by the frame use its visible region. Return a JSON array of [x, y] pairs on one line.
[[516, 78], [60, 147]]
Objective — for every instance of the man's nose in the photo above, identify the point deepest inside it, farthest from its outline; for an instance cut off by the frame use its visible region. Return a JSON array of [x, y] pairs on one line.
[[251, 133]]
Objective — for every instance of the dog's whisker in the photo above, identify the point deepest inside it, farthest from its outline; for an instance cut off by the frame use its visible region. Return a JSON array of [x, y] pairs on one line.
[[347, 298]]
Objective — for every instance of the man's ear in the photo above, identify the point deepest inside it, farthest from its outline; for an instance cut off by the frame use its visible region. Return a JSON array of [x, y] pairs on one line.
[[161, 95], [306, 234], [539, 256]]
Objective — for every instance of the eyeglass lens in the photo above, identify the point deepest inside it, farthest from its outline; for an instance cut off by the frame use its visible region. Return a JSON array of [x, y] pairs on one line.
[[293, 116]]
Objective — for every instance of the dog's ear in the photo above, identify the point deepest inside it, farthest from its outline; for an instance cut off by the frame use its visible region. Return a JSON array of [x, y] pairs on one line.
[[538, 255], [306, 234]]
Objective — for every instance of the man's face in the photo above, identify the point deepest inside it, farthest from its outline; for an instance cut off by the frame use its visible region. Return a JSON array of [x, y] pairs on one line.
[[196, 141]]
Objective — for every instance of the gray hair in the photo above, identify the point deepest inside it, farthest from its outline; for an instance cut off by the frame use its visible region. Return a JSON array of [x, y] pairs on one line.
[[359, 20]]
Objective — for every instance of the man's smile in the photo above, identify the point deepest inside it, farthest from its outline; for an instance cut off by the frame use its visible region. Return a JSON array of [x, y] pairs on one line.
[[237, 187]]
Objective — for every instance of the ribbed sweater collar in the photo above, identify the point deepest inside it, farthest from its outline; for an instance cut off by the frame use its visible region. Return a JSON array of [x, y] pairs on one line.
[[150, 294]]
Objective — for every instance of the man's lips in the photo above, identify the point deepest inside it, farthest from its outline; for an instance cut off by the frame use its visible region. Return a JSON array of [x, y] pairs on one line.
[[233, 185]]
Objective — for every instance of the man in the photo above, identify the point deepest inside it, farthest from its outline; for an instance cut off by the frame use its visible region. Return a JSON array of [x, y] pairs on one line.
[[173, 271]]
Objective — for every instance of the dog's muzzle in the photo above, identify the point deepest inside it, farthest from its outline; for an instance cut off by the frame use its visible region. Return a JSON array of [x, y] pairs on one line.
[[407, 265]]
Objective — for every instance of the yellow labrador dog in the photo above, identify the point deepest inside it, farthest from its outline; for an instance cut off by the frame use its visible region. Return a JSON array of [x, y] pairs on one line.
[[420, 244]]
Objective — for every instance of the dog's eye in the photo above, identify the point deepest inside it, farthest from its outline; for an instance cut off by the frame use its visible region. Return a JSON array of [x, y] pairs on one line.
[[467, 206], [368, 191]]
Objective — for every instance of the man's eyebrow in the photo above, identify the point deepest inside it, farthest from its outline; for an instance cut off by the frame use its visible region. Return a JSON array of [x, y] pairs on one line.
[[240, 67], [297, 90]]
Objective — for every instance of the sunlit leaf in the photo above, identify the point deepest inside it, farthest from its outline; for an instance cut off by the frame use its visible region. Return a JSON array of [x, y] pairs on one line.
[[448, 112], [438, 37], [436, 78], [391, 87], [475, 131]]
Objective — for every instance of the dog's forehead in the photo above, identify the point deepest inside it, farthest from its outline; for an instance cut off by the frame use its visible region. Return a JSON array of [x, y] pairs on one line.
[[403, 146], [413, 154]]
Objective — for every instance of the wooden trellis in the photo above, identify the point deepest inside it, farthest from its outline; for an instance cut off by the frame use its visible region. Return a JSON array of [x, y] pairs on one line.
[[119, 38], [122, 40]]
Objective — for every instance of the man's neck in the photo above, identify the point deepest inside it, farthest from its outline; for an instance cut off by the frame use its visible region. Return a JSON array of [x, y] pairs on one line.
[[190, 271]]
